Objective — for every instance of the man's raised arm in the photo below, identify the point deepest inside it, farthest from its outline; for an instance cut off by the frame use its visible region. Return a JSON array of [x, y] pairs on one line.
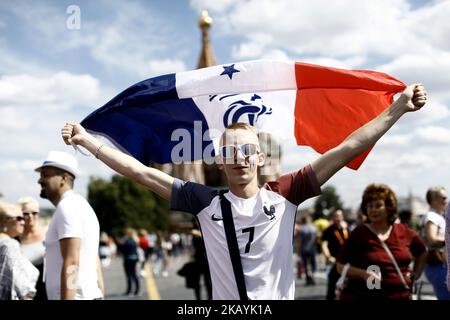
[[412, 99], [156, 180]]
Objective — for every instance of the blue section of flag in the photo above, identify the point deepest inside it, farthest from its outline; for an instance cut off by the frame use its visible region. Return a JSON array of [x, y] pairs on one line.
[[142, 118]]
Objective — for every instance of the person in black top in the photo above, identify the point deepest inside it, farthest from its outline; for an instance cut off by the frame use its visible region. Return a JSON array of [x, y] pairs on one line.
[[201, 264], [333, 239]]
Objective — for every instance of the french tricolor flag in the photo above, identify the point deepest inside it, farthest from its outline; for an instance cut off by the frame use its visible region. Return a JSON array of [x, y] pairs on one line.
[[315, 105]]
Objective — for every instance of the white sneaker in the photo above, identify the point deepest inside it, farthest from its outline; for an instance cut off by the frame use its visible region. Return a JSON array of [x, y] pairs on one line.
[[143, 273], [165, 274]]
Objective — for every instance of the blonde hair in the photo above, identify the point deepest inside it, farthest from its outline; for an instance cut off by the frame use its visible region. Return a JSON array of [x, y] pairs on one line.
[[433, 193], [6, 210], [28, 200]]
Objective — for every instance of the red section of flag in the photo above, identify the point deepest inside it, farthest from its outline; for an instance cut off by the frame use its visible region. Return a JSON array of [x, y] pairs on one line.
[[331, 103]]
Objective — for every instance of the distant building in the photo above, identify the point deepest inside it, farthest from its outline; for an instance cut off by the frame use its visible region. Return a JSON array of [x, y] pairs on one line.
[[417, 205]]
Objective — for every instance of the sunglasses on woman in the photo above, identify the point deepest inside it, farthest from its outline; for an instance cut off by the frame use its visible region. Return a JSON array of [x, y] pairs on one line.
[[230, 151], [18, 218]]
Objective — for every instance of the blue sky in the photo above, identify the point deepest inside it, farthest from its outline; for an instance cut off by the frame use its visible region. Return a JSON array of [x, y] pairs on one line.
[[50, 74]]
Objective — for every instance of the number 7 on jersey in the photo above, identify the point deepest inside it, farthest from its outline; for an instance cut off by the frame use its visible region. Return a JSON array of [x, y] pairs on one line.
[[251, 231]]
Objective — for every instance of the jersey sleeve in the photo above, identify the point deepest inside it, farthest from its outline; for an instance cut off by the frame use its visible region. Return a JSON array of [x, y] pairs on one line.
[[190, 197], [296, 187]]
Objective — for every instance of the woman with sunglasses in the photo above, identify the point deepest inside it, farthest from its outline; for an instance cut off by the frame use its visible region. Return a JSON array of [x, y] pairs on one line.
[[32, 241], [18, 276]]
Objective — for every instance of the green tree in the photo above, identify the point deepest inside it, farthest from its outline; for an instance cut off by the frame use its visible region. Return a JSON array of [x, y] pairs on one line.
[[122, 203], [329, 200]]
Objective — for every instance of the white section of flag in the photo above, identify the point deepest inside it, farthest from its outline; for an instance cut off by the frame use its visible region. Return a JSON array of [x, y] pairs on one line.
[[253, 76]]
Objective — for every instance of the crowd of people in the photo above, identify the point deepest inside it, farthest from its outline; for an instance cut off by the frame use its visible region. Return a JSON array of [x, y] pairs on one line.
[[358, 244], [383, 248], [246, 230]]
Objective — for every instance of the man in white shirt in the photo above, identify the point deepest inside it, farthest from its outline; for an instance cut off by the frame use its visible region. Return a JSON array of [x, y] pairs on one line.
[[72, 265], [264, 216]]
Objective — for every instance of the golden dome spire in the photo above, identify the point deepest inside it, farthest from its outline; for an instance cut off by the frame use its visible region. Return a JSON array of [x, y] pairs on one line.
[[205, 20]]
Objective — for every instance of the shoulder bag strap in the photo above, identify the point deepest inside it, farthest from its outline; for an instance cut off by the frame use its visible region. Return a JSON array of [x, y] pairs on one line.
[[391, 256], [233, 248]]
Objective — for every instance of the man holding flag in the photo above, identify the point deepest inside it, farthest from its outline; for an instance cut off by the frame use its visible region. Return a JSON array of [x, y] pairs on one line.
[[251, 256]]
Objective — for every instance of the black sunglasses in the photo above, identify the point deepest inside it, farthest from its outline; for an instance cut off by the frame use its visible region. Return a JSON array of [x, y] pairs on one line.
[[18, 219]]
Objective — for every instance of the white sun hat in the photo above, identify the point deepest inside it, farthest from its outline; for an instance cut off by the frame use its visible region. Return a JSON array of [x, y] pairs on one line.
[[61, 160]]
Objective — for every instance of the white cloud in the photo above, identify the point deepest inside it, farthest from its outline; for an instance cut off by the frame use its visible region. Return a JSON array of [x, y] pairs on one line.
[[251, 49], [432, 70], [9, 119], [121, 48], [43, 19], [216, 6], [163, 66], [434, 134], [130, 40], [57, 92], [433, 17], [323, 27], [415, 160], [433, 112], [420, 137], [397, 140], [275, 54], [20, 165], [14, 62], [21, 181], [120, 45]]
